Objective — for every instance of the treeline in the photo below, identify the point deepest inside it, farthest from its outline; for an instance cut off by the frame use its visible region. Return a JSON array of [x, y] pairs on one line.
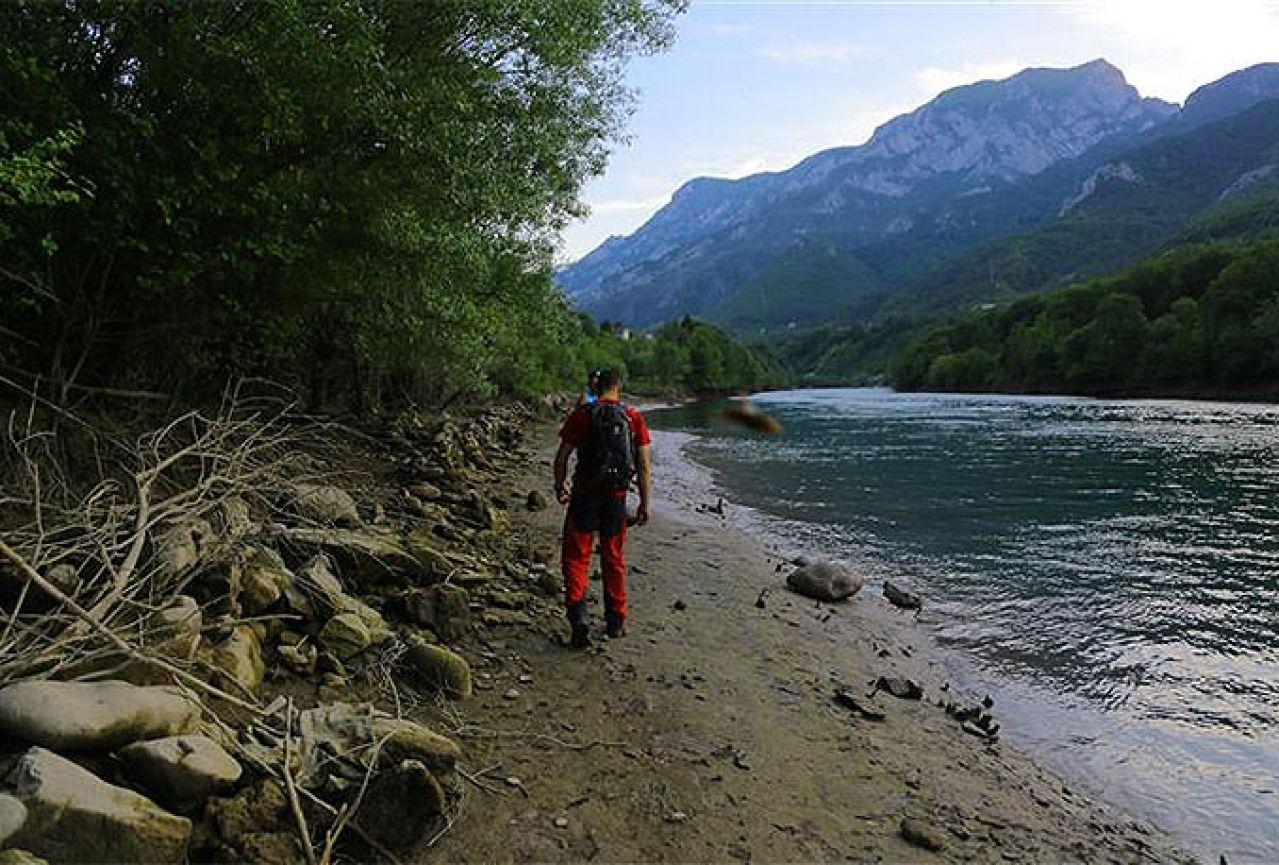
[[681, 357], [1197, 318], [357, 198]]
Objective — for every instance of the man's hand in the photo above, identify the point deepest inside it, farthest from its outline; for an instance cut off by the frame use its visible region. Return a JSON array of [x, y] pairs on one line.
[[641, 514], [562, 493]]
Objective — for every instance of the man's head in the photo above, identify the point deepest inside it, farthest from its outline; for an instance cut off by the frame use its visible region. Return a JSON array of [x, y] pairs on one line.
[[608, 384]]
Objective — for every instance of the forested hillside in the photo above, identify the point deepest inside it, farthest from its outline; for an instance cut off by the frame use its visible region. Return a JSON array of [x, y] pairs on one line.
[[357, 200], [1197, 319]]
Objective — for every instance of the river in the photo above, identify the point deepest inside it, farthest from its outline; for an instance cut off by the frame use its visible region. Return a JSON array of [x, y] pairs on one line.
[[1109, 570]]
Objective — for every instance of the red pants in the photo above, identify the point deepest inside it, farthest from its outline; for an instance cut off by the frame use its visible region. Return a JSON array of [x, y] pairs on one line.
[[584, 519]]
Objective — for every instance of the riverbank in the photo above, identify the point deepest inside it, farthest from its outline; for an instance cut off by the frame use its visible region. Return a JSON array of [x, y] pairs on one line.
[[710, 733]]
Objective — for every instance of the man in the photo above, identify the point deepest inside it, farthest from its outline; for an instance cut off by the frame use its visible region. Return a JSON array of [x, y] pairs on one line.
[[611, 441]]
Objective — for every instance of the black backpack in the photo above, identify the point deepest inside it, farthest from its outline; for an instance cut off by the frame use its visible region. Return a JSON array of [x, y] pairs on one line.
[[606, 461]]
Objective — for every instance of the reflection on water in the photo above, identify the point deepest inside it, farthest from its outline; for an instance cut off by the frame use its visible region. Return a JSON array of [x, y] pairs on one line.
[[1111, 568]]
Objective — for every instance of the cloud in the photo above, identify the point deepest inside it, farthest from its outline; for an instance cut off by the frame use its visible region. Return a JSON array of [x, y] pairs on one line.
[[932, 80], [1169, 47], [813, 53]]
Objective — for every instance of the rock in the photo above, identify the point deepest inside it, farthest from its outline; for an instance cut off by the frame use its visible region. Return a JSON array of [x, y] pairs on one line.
[[368, 555], [239, 657], [848, 700], [235, 518], [326, 505], [14, 856], [180, 770], [922, 834], [445, 670], [506, 618], [75, 817], [177, 627], [345, 635], [341, 728], [12, 815], [323, 592], [255, 810], [434, 565], [400, 805], [426, 491], [825, 581], [92, 716], [264, 579], [65, 577], [180, 547], [271, 848], [901, 598], [536, 500], [298, 657], [445, 609], [901, 688]]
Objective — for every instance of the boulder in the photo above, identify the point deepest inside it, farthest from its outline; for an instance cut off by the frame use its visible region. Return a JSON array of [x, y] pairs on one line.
[[442, 669], [177, 626], [400, 805], [298, 657], [12, 815], [345, 635], [239, 657], [342, 728], [445, 609], [235, 519], [536, 500], [326, 505], [271, 848], [254, 810], [92, 716], [180, 547], [264, 579], [180, 770], [13, 856], [434, 565], [899, 597], [825, 581], [65, 577], [366, 555], [73, 816]]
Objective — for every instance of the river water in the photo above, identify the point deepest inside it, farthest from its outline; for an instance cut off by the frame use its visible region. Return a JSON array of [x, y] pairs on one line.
[[1108, 569]]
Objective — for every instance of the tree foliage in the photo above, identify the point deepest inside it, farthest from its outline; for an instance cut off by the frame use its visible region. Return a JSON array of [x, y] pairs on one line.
[[359, 198], [1202, 317]]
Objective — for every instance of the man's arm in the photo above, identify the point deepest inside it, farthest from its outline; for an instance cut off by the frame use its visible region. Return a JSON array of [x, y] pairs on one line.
[[561, 472], [645, 467]]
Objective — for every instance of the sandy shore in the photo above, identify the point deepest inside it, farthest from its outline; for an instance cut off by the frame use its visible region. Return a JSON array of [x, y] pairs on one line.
[[710, 734]]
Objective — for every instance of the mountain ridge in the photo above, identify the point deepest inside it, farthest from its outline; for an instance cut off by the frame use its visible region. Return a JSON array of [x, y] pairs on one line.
[[978, 161]]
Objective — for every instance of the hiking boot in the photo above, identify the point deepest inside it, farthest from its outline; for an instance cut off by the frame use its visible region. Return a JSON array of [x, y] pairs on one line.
[[581, 629], [615, 626]]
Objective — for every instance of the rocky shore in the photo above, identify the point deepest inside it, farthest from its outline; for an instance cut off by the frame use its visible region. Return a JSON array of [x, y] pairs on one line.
[[367, 662]]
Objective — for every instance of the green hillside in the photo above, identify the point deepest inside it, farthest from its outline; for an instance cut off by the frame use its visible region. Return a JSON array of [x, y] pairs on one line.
[[1201, 319]]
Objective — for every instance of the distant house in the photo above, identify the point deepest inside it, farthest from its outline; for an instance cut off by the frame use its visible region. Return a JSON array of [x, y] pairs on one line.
[[619, 330]]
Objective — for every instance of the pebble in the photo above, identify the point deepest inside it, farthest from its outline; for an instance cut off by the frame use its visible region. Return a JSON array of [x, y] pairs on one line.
[[676, 817], [512, 694], [561, 822], [526, 679]]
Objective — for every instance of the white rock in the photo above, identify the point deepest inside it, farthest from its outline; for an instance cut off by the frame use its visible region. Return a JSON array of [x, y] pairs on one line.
[[73, 816], [12, 815], [180, 770], [92, 716]]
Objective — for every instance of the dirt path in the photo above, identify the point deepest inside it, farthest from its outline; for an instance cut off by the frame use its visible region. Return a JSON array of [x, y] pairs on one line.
[[709, 733]]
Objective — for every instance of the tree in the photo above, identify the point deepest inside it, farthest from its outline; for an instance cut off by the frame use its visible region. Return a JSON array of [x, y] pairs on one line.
[[358, 197]]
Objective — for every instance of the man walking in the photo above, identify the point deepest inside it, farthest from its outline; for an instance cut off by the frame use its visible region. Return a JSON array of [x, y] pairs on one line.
[[611, 441]]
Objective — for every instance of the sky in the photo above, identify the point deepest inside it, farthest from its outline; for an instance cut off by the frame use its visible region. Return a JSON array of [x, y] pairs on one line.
[[757, 85]]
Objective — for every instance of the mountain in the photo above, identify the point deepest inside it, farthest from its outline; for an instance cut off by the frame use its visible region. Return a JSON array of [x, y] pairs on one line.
[[989, 191], [717, 237]]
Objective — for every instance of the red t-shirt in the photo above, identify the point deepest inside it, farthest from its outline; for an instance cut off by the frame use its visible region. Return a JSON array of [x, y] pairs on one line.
[[578, 426]]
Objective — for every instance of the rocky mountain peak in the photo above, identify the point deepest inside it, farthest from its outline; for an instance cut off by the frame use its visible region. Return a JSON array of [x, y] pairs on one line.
[[1232, 94]]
